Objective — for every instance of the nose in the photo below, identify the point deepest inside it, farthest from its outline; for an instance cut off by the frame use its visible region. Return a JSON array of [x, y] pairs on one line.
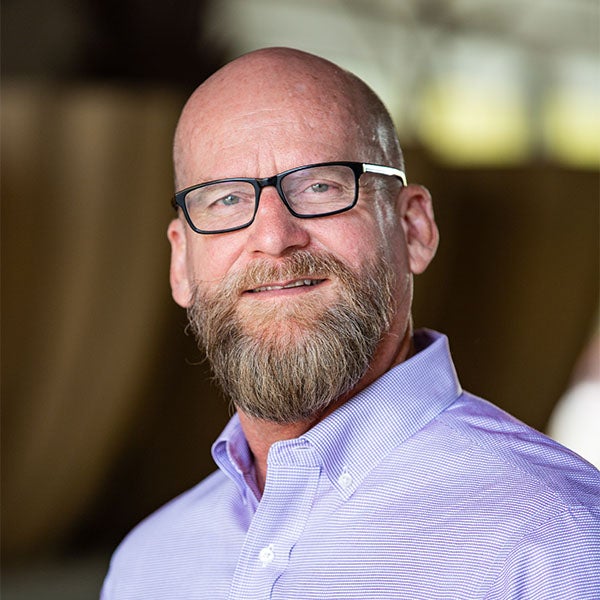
[[275, 230]]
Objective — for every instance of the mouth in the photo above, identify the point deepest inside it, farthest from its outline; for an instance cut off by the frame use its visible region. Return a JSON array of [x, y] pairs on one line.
[[297, 283]]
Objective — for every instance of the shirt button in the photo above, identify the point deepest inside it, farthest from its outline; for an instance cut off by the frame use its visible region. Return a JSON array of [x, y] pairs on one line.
[[266, 555], [345, 480]]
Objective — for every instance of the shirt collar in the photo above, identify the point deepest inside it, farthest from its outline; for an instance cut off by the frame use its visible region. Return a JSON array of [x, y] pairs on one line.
[[353, 439], [232, 455]]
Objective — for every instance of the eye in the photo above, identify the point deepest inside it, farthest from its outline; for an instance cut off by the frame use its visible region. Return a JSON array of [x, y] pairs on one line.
[[229, 200], [319, 187], [220, 200]]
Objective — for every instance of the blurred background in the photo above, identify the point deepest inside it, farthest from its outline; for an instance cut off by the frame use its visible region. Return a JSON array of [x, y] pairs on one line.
[[108, 410]]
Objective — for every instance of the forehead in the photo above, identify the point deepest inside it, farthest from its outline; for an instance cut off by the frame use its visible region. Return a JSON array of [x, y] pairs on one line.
[[240, 127]]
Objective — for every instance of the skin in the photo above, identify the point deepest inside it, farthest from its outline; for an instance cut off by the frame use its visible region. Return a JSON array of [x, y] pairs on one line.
[[273, 110]]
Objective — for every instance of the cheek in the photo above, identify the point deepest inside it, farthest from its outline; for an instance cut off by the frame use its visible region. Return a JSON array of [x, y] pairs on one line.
[[392, 235], [362, 237], [209, 259]]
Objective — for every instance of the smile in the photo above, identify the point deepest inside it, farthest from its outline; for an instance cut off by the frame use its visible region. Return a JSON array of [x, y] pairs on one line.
[[287, 286]]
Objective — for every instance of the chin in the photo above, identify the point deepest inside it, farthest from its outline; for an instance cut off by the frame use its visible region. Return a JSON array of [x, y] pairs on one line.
[[284, 313], [279, 330]]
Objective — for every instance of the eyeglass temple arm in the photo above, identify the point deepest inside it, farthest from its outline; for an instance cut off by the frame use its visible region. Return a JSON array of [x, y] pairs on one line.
[[383, 170]]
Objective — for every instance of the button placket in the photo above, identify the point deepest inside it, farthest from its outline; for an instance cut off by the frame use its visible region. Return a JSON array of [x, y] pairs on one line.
[[279, 520]]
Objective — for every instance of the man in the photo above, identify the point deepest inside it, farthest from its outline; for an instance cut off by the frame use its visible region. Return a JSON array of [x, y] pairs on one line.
[[355, 466]]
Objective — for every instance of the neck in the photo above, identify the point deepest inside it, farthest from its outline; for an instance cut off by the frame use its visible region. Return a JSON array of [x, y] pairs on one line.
[[262, 434]]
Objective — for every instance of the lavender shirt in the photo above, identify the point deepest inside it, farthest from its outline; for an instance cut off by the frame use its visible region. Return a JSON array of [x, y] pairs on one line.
[[412, 489]]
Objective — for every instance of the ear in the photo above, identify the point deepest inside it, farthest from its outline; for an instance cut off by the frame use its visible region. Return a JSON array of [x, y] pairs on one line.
[[418, 222], [179, 278]]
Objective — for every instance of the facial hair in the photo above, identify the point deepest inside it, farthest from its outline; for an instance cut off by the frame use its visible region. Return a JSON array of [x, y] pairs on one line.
[[288, 361]]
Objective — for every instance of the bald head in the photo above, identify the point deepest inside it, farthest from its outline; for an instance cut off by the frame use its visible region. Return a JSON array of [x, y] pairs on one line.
[[271, 112], [299, 97]]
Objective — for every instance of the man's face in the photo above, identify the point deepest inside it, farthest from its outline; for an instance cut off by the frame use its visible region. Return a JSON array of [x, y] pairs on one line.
[[235, 137], [260, 144]]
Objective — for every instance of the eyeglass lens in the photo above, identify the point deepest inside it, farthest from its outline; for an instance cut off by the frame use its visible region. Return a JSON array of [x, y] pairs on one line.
[[312, 191]]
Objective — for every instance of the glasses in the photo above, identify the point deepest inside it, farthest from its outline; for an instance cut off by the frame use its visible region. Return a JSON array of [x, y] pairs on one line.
[[318, 190]]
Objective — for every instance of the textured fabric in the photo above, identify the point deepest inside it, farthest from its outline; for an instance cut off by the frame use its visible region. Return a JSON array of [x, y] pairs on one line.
[[412, 489]]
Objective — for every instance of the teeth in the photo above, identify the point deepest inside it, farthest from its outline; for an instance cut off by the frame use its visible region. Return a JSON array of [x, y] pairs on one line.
[[299, 283]]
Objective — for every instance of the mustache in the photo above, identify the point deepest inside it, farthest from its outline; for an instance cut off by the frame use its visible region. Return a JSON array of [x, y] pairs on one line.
[[300, 264]]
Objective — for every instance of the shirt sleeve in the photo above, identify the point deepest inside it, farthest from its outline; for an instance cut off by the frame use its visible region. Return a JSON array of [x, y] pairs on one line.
[[559, 559], [105, 593]]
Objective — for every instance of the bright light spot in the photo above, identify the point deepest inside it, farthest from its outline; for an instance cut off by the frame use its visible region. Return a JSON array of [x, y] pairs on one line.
[[472, 122], [572, 126]]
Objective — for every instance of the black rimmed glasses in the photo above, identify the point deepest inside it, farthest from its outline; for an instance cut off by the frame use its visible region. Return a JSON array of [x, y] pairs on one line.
[[318, 190]]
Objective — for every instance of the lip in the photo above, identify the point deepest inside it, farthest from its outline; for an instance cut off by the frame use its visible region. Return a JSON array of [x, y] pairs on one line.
[[299, 285]]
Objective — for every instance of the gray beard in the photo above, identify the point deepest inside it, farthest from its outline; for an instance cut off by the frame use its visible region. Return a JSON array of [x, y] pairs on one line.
[[289, 363]]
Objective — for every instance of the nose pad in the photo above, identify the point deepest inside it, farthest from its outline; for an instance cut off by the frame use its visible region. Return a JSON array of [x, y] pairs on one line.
[[275, 230], [270, 193]]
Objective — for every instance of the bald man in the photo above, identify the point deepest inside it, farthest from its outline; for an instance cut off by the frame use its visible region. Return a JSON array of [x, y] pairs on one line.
[[355, 466]]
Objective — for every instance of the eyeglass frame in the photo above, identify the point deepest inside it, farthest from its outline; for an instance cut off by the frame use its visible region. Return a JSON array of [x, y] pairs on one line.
[[358, 168]]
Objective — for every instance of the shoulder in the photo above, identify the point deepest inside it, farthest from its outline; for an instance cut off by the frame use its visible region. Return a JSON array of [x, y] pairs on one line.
[[169, 526], [181, 508], [155, 558], [558, 558], [501, 443], [485, 485]]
